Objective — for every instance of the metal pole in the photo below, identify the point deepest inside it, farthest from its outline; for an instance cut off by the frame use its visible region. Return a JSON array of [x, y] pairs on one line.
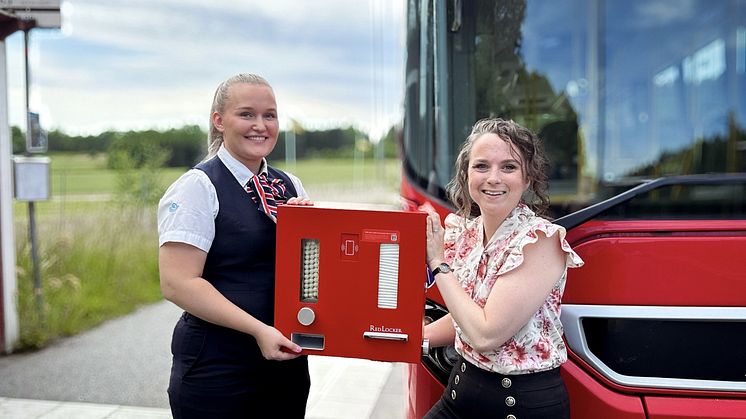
[[38, 290], [27, 86], [290, 148]]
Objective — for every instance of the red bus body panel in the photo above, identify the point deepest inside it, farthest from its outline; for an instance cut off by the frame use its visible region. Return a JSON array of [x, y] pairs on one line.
[[702, 262], [682, 408], [424, 390], [588, 397]]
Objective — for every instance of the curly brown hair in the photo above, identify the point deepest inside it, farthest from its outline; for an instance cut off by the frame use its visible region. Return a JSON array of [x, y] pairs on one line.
[[532, 157]]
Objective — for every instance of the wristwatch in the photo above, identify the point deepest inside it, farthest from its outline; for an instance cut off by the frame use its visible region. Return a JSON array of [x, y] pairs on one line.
[[442, 268]]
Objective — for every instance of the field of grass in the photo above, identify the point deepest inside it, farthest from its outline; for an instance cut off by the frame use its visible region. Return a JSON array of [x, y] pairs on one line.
[[98, 253], [93, 267], [81, 174]]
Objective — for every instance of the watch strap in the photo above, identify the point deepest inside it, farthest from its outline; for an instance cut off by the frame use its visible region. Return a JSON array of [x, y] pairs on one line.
[[437, 269]]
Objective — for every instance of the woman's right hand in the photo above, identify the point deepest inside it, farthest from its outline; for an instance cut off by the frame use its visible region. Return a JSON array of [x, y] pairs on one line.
[[299, 201], [275, 346]]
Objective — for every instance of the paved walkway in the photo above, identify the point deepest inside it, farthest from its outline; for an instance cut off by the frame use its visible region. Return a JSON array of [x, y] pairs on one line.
[[341, 389], [120, 370]]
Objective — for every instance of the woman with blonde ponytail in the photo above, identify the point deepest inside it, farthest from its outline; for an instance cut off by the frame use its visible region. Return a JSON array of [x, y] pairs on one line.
[[216, 227]]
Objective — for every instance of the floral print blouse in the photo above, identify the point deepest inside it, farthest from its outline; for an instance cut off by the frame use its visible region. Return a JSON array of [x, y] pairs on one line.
[[538, 346]]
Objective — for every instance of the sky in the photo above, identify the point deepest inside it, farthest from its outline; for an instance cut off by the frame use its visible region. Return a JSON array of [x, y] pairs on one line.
[[155, 64]]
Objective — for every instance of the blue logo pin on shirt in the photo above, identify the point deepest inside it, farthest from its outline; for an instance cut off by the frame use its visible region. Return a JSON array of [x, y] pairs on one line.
[[173, 207]]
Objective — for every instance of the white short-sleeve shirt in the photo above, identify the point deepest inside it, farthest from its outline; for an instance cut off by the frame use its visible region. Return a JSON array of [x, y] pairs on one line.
[[187, 210]]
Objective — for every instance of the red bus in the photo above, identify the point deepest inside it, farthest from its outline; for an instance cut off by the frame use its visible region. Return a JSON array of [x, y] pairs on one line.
[[642, 108]]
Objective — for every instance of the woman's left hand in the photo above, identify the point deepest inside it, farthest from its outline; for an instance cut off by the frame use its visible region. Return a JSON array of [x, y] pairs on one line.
[[434, 234], [299, 201]]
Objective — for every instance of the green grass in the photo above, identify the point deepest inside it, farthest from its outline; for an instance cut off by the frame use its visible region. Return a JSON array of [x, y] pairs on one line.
[[343, 180], [80, 182], [98, 253], [92, 268], [82, 185], [74, 174], [334, 171], [77, 161], [81, 174]]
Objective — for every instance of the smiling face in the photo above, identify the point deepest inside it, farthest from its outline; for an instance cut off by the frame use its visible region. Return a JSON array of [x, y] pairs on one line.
[[495, 176], [248, 123]]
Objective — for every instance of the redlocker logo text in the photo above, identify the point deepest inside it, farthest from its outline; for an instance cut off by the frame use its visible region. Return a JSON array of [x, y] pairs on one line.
[[384, 329]]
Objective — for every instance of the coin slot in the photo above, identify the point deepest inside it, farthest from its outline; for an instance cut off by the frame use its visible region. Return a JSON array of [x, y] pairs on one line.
[[308, 341]]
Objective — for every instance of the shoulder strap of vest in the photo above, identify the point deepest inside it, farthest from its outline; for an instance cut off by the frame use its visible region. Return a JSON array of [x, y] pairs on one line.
[[207, 164]]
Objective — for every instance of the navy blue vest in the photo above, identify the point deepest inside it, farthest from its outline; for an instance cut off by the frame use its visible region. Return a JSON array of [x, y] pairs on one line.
[[241, 261]]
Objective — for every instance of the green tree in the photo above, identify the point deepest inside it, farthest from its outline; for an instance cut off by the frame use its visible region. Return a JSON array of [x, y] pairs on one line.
[[185, 146], [18, 139], [139, 175]]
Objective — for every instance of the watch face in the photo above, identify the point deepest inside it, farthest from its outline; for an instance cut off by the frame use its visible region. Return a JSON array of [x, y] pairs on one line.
[[443, 267]]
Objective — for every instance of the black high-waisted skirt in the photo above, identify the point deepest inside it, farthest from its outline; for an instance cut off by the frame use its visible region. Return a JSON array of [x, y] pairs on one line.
[[473, 392]]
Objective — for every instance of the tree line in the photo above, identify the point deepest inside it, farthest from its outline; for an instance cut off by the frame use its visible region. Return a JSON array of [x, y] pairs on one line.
[[185, 146]]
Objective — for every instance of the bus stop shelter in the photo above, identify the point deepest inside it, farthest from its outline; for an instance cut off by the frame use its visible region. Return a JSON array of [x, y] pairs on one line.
[[15, 15]]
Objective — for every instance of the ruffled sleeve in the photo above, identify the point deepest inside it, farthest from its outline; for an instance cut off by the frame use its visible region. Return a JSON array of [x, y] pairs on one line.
[[529, 235]]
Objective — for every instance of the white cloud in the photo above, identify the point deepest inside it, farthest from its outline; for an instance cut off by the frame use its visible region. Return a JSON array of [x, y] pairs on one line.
[[150, 63], [659, 13]]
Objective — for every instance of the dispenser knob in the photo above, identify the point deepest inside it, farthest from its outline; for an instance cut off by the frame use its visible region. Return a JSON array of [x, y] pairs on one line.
[[306, 316]]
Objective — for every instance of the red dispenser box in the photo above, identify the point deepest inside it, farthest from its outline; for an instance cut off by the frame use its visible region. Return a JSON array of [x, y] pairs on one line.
[[350, 282]]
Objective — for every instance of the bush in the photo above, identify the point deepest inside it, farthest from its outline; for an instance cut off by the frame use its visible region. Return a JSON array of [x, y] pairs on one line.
[[139, 174]]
